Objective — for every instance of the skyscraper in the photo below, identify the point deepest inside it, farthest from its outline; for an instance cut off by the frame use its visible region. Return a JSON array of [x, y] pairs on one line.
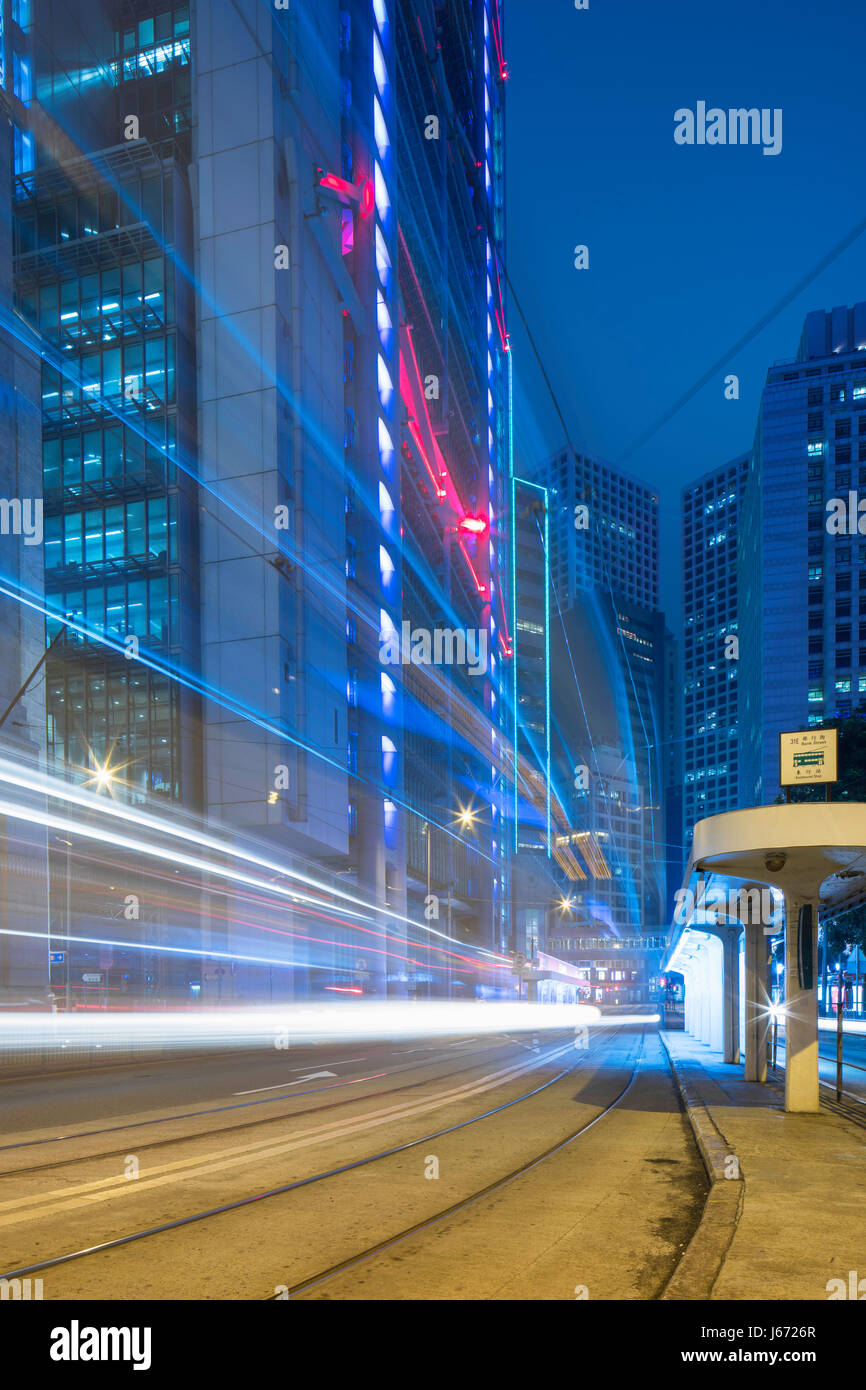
[[608, 691], [802, 558], [22, 700], [711, 643], [275, 428], [102, 223]]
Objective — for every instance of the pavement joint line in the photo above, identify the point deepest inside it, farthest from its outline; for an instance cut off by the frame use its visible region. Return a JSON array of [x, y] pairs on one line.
[[701, 1264]]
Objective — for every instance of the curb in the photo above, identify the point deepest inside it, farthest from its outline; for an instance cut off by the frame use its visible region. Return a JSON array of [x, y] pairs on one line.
[[702, 1260]]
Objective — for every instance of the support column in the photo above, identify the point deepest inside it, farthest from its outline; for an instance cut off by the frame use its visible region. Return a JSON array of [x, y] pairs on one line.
[[700, 1029], [731, 971], [715, 994], [703, 996], [801, 1009], [757, 1004]]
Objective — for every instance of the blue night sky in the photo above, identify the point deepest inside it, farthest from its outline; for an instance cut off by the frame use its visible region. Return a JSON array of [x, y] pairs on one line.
[[689, 246]]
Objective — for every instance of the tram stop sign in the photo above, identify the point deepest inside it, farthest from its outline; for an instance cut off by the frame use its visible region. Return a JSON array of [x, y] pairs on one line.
[[807, 757]]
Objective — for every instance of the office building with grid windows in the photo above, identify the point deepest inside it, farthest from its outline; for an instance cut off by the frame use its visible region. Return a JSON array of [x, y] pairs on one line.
[[274, 426], [710, 516], [802, 580], [609, 642]]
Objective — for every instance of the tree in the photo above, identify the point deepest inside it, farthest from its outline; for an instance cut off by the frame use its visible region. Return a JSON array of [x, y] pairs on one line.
[[846, 929], [851, 785]]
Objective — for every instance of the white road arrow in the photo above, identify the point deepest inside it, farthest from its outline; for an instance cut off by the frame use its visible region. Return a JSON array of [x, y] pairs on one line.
[[313, 1076], [343, 1062]]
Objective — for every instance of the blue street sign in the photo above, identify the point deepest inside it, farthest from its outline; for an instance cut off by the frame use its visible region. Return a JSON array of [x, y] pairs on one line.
[[56, 957]]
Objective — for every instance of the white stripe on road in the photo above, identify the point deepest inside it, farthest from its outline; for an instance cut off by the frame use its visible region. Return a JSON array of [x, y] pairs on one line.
[[48, 1204], [344, 1063], [280, 1084]]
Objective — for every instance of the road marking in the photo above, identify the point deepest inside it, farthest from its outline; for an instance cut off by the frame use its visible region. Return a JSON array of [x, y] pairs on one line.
[[313, 1076], [344, 1062], [104, 1189]]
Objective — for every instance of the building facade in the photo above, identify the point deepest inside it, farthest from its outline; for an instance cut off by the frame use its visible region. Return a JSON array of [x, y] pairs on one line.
[[262, 252], [802, 559], [608, 705], [711, 643], [612, 972], [23, 897]]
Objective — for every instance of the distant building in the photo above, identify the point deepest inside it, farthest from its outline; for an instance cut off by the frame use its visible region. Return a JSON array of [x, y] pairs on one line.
[[672, 769], [802, 565], [613, 971], [543, 861], [711, 643], [608, 643], [613, 544]]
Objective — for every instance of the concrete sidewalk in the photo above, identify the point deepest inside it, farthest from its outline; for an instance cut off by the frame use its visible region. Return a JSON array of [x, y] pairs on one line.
[[802, 1218]]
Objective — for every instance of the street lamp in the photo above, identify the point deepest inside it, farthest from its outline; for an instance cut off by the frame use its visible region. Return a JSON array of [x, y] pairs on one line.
[[425, 831], [68, 941], [103, 777]]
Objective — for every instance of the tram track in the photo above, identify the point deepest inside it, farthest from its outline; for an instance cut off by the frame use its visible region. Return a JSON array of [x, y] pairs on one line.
[[381, 1247], [221, 1129], [209, 1214]]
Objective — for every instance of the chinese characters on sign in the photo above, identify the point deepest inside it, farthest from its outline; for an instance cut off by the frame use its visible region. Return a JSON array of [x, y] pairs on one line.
[[807, 756]]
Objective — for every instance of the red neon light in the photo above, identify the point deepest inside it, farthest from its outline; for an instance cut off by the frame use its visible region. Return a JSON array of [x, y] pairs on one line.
[[475, 524], [499, 313], [363, 193], [339, 185], [405, 250], [482, 588], [416, 435], [339, 989], [451, 493], [508, 641], [497, 39]]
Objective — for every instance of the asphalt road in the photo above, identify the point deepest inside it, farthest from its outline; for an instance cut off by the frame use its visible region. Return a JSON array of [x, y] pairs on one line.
[[853, 1060], [853, 1046], [458, 1168]]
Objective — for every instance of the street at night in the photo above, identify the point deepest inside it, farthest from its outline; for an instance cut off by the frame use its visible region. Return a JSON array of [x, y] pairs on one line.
[[432, 682], [411, 1172]]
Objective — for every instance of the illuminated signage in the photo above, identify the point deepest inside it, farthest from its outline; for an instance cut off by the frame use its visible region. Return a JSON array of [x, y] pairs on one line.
[[807, 757]]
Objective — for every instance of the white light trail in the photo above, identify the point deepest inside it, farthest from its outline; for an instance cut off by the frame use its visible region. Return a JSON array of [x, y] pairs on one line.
[[43, 785], [293, 1024]]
